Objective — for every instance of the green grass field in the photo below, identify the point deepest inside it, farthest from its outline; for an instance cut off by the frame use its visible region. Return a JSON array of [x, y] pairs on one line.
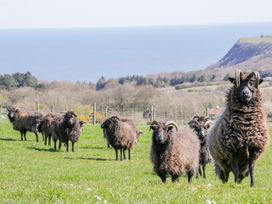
[[33, 173]]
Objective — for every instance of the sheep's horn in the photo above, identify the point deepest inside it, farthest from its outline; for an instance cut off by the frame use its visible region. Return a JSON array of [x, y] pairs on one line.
[[154, 123], [172, 123], [237, 77], [196, 118], [115, 117], [257, 75], [209, 123]]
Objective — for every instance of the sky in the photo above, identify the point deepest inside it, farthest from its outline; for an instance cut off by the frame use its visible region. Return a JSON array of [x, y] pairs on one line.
[[17, 14]]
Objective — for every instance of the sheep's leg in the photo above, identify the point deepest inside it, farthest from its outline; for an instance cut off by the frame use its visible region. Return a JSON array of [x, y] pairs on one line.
[[129, 157], [121, 155], [37, 139], [116, 154], [190, 176], [175, 178], [199, 170], [25, 135], [251, 171], [45, 140], [59, 144], [108, 144], [49, 140], [55, 145], [235, 170], [224, 176], [73, 149], [22, 135], [124, 154], [162, 175], [67, 146], [203, 170]]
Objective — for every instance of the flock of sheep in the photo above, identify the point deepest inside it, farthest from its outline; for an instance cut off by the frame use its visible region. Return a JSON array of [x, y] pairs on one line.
[[233, 143]]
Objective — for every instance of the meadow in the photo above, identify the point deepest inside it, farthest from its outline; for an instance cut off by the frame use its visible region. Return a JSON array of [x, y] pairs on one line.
[[31, 172]]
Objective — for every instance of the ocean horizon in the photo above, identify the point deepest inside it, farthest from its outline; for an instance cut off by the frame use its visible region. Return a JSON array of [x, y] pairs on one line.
[[86, 54]]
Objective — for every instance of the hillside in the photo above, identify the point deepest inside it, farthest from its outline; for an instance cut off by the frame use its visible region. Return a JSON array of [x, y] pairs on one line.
[[248, 53]]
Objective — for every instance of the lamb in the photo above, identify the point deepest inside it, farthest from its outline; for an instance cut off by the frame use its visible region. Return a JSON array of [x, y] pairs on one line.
[[24, 121], [201, 125], [66, 128], [240, 135], [173, 152], [122, 135]]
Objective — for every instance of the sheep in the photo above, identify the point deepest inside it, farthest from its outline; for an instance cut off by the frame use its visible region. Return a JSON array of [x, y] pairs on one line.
[[47, 125], [173, 152], [240, 135], [122, 135], [24, 121], [66, 128], [201, 125], [74, 133]]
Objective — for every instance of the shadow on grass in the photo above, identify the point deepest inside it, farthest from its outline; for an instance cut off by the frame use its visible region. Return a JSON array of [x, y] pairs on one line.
[[8, 139], [43, 150], [90, 158], [92, 147]]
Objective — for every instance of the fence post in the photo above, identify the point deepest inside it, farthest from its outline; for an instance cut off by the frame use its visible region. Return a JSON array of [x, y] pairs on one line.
[[94, 113], [207, 112], [37, 105], [152, 113], [106, 112], [53, 108]]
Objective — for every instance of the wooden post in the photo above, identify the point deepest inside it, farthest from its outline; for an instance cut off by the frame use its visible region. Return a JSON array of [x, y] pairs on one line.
[[94, 113], [37, 105], [207, 112], [152, 113], [53, 108], [106, 112]]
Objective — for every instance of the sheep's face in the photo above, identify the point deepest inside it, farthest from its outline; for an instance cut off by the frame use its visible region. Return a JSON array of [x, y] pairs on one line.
[[200, 125], [12, 113], [70, 118], [160, 132], [109, 122], [246, 86]]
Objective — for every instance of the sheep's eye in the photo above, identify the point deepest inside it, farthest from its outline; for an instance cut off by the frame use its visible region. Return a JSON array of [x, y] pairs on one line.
[[251, 82]]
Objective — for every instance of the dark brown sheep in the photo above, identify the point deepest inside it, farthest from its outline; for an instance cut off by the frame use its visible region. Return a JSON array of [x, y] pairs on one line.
[[201, 125], [240, 135], [47, 126], [67, 128], [173, 152], [121, 134], [24, 121]]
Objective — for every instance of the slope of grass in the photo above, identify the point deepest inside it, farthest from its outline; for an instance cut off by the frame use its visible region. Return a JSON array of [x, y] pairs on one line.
[[33, 173], [256, 40]]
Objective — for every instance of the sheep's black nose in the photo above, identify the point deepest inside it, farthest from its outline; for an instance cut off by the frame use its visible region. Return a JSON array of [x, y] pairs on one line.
[[245, 92]]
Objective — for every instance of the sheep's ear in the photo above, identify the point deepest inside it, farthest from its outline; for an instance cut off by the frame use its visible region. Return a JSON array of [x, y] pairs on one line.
[[232, 80], [208, 124], [192, 124], [261, 81], [81, 123], [154, 124]]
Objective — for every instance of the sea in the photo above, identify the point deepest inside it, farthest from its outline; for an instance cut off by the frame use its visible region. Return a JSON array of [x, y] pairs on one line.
[[86, 54]]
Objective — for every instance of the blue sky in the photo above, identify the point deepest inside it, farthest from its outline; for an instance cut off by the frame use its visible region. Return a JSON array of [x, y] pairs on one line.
[[123, 13]]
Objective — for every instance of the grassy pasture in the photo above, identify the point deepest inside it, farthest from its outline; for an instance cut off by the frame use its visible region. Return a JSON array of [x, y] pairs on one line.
[[33, 173]]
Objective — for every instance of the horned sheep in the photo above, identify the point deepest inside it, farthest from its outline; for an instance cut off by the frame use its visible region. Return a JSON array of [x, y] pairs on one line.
[[240, 135], [201, 125], [173, 152]]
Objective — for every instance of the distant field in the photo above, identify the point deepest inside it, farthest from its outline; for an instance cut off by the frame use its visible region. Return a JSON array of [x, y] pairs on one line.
[[33, 173], [265, 39]]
